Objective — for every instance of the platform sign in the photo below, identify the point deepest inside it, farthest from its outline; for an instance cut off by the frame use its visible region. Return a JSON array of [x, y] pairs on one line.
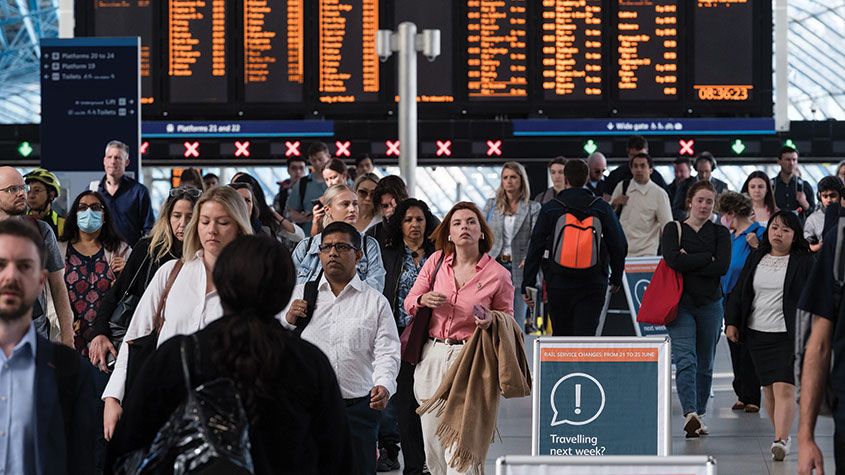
[[90, 95], [638, 272], [612, 465], [601, 396]]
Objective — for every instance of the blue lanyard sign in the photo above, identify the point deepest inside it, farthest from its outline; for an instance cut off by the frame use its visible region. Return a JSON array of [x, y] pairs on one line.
[[590, 392]]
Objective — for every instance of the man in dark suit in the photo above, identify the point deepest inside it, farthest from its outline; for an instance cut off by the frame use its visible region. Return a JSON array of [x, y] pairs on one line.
[[47, 398]]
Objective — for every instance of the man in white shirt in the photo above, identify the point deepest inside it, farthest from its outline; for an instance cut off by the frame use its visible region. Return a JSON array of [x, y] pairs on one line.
[[643, 208], [353, 325]]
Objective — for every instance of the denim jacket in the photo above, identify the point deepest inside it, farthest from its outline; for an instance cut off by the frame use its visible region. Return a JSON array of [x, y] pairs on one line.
[[307, 262]]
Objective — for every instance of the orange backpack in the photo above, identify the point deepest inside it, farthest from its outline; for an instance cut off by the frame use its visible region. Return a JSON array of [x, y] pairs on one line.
[[577, 239]]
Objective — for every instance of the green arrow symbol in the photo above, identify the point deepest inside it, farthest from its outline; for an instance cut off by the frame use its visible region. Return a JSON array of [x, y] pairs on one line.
[[25, 149], [590, 147], [738, 147]]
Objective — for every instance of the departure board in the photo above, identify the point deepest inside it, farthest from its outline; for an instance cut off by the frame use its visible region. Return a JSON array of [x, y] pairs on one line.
[[572, 47], [196, 46], [273, 50], [647, 50], [497, 49], [431, 15], [347, 61], [131, 18], [724, 50]]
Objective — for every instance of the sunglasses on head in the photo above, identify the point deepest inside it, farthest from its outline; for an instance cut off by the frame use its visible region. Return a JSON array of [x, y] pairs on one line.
[[186, 190]]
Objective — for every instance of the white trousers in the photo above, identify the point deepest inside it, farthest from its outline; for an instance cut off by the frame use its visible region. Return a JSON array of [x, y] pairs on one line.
[[435, 362]]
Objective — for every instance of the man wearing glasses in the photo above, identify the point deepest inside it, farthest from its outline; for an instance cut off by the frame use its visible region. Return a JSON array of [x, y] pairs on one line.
[[352, 323], [13, 192], [129, 200]]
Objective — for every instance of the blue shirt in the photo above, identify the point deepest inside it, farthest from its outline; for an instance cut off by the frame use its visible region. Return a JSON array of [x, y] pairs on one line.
[[410, 272], [306, 261], [740, 250], [17, 403], [131, 209]]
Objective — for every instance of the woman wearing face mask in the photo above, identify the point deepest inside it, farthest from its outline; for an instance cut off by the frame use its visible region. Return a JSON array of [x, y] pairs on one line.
[[746, 235], [702, 257], [338, 203], [162, 245], [759, 188], [192, 302], [761, 314], [94, 254]]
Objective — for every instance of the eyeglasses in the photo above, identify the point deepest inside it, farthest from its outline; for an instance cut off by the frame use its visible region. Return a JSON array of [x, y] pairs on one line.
[[96, 207], [15, 189], [365, 193], [338, 246], [186, 190]]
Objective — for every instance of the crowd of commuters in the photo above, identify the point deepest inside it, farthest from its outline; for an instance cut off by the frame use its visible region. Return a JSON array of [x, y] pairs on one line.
[[298, 305]]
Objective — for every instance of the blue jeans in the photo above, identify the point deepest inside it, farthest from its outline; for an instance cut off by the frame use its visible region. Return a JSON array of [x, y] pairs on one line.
[[694, 335]]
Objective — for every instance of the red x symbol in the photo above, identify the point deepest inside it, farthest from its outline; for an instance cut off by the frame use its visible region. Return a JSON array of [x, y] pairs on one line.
[[292, 149], [242, 149], [192, 149], [494, 147], [144, 147], [392, 148], [342, 148], [444, 148], [686, 147]]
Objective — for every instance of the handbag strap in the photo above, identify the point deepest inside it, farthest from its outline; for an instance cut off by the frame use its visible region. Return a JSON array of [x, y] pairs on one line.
[[680, 231], [158, 320], [436, 270], [186, 369], [135, 277]]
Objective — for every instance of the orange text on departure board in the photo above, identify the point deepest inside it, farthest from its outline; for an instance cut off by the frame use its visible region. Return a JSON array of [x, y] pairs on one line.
[[258, 38], [496, 48], [184, 46], [572, 47], [633, 36], [334, 41]]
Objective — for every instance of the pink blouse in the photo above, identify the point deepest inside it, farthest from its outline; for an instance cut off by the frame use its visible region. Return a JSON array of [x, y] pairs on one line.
[[490, 286]]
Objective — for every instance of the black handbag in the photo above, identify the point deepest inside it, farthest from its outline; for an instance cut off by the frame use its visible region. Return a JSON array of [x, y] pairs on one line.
[[207, 434], [125, 308]]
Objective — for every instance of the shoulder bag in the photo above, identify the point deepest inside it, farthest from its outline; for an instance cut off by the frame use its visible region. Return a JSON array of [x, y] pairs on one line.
[[414, 336], [125, 308], [663, 294]]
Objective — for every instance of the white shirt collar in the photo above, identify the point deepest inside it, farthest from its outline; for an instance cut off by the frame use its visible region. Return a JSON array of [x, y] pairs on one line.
[[356, 284]]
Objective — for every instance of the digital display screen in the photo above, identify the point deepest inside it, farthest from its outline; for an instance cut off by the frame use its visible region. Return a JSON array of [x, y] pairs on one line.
[[647, 50], [348, 64], [196, 43], [572, 48], [273, 50], [724, 50], [432, 15], [131, 18], [497, 49]]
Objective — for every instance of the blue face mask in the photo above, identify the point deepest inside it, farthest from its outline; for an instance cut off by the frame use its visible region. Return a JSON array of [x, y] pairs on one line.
[[89, 221]]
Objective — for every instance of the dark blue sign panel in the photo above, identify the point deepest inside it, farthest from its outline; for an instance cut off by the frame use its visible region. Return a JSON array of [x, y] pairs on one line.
[[638, 272], [687, 127], [90, 95], [589, 393], [238, 128]]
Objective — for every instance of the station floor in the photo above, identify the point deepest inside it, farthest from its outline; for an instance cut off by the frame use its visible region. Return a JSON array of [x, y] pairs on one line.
[[740, 442]]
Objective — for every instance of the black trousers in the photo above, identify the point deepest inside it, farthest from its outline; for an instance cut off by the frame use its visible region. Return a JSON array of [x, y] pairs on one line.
[[363, 430], [746, 384], [838, 454], [576, 311], [410, 430]]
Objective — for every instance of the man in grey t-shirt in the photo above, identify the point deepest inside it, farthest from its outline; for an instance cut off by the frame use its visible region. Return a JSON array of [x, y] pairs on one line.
[[13, 205]]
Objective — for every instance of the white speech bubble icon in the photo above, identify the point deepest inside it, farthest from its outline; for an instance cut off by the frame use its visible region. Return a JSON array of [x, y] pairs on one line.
[[639, 290], [555, 421]]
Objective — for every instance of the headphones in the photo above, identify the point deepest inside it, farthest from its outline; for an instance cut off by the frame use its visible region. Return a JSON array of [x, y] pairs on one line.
[[705, 156]]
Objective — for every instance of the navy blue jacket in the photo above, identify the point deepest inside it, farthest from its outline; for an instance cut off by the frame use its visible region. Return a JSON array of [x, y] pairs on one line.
[[614, 245], [66, 417], [131, 209]]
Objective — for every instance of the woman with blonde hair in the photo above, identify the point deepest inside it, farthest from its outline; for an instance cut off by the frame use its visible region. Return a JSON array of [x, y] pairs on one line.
[[511, 217], [219, 217], [338, 203]]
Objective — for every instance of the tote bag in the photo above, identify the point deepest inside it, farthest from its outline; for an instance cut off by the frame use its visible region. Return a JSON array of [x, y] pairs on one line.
[[663, 294]]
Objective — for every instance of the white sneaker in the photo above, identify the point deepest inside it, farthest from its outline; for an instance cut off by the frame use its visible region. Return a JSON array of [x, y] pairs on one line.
[[703, 430], [692, 424], [780, 449]]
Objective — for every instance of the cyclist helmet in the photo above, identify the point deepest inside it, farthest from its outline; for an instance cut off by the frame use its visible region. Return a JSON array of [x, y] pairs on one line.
[[48, 179]]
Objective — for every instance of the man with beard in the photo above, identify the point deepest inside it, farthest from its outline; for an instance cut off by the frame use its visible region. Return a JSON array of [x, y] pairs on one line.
[[13, 204], [47, 398]]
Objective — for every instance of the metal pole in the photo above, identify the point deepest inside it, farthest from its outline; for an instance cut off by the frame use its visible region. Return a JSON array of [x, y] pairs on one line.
[[408, 104], [781, 66]]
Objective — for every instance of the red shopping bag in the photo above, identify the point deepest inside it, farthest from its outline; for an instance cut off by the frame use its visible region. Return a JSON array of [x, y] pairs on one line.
[[662, 296]]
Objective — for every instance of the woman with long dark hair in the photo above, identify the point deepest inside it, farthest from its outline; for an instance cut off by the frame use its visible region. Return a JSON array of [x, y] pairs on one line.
[[162, 245], [758, 187], [298, 422], [279, 226], [761, 314], [94, 255]]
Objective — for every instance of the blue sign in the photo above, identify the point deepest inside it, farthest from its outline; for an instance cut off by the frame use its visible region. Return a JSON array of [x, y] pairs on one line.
[[638, 272], [686, 127], [590, 392], [90, 95], [236, 128]]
